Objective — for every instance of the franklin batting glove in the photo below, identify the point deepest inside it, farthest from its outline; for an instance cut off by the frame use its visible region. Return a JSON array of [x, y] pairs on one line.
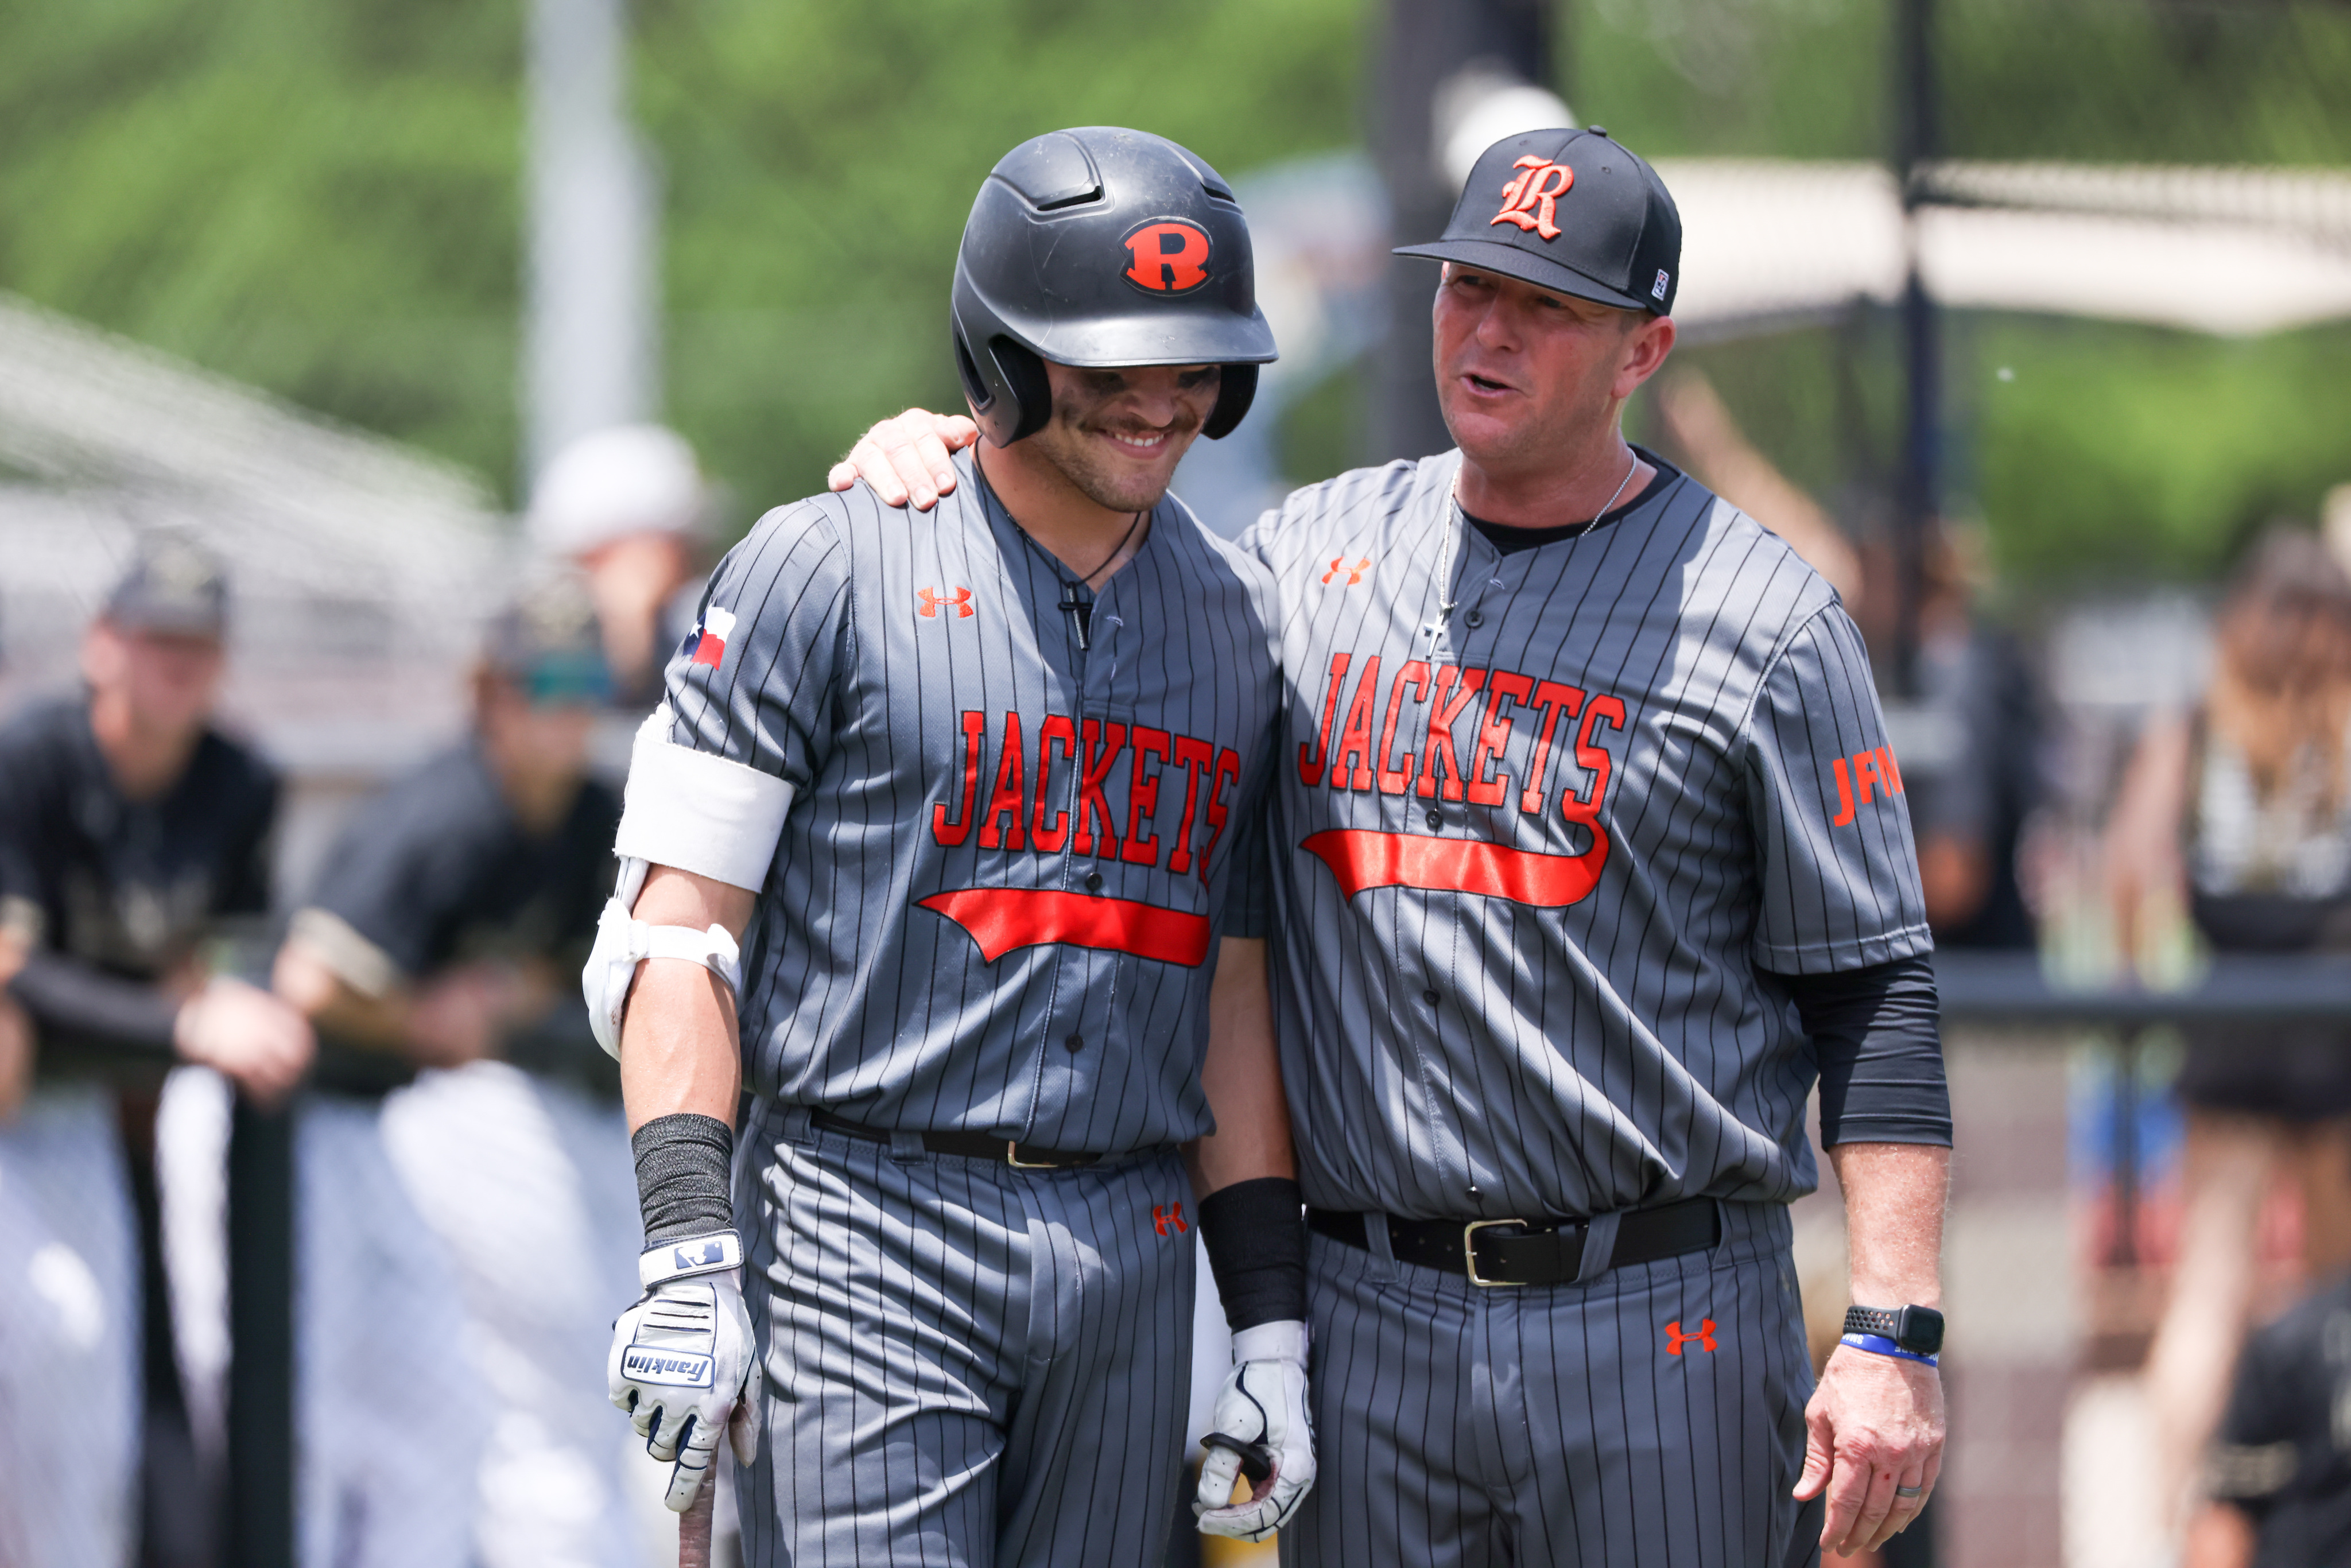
[[685, 1363], [1260, 1416]]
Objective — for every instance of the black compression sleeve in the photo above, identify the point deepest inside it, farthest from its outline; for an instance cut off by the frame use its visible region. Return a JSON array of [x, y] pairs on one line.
[[1878, 1037], [1256, 1236], [75, 1002], [682, 1164]]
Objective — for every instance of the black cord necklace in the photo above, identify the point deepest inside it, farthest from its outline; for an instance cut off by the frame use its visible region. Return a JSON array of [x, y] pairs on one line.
[[1078, 609]]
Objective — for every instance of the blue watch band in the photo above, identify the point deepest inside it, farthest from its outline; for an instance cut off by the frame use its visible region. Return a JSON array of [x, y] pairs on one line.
[[1878, 1344]]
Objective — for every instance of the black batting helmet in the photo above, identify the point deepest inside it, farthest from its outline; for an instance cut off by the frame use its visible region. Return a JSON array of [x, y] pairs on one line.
[[1102, 248]]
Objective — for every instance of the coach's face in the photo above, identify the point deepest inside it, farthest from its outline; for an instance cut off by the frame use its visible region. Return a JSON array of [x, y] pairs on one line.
[[1119, 433], [1526, 375]]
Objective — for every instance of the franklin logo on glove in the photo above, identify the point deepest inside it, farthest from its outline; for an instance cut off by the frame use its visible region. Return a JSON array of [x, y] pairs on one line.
[[642, 1363]]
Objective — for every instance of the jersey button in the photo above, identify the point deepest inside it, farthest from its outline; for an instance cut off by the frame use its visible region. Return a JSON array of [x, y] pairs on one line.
[[1076, 1042], [1093, 884], [1476, 618], [1428, 997], [1435, 817]]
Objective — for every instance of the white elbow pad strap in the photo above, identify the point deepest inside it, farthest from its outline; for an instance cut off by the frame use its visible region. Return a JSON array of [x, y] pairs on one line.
[[622, 944], [699, 812]]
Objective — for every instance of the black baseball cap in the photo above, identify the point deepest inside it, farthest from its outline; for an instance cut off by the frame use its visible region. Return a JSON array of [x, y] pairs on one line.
[[548, 641], [175, 586], [1570, 211]]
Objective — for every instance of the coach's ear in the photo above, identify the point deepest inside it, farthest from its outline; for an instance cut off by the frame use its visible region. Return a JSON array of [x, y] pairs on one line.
[[906, 457]]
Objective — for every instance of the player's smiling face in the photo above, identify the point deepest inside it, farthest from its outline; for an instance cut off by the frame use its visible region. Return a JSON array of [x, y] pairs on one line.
[[1524, 373], [1119, 433]]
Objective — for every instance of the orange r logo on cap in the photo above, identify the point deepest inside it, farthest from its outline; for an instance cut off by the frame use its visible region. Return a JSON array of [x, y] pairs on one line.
[[1527, 201], [1171, 257]]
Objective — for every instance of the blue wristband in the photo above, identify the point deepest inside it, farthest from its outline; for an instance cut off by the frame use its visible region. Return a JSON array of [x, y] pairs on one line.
[[1878, 1344]]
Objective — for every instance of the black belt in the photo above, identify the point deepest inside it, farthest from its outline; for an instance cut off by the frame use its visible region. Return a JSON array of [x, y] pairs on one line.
[[967, 1146], [1528, 1252]]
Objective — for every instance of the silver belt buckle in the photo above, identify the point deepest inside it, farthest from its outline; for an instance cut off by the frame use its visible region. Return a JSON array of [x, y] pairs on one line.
[[1469, 1249], [1012, 1157]]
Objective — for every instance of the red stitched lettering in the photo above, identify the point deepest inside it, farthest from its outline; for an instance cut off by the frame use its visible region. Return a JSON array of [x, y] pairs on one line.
[[1554, 699], [1195, 756], [1355, 740], [1494, 736], [1094, 766], [952, 833], [1310, 765], [1395, 781], [1443, 711], [1056, 731], [1142, 796]]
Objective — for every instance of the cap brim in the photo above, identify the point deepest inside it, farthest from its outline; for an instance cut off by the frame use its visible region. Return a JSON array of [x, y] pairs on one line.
[[1492, 255]]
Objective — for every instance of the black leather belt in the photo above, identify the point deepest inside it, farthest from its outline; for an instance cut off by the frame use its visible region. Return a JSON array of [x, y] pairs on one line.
[[967, 1146], [1528, 1252]]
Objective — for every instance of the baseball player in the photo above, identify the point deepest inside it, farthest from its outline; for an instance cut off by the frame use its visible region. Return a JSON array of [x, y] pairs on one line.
[[974, 790], [131, 832], [629, 507], [1590, 860], [463, 1230]]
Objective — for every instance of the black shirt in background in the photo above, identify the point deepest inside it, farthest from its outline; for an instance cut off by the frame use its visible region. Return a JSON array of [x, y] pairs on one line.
[[2281, 1455], [115, 894], [436, 872]]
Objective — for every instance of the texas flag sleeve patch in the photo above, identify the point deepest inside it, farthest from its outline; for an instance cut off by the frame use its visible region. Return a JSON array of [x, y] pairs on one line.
[[710, 637]]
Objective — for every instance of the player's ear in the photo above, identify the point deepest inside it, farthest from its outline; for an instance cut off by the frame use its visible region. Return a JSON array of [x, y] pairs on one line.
[[1646, 344]]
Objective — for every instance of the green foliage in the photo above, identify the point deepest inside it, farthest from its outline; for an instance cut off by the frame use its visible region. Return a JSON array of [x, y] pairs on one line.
[[820, 160], [325, 200], [319, 199], [2130, 453]]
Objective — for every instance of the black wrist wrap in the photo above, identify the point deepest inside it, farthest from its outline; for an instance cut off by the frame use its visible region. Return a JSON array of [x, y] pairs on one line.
[[683, 1166], [1256, 1236]]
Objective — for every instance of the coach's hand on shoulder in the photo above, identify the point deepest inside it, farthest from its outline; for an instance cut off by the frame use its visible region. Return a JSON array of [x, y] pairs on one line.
[[247, 1034], [685, 1363], [1875, 1424], [906, 457], [1260, 1419]]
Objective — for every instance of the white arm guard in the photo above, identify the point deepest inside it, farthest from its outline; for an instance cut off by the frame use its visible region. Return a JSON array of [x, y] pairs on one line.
[[698, 812]]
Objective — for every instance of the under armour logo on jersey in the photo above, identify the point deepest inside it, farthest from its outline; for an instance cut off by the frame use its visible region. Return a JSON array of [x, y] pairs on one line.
[[1864, 768], [1354, 573], [1168, 1218], [1675, 1338], [1529, 200], [1171, 257], [708, 644], [931, 601]]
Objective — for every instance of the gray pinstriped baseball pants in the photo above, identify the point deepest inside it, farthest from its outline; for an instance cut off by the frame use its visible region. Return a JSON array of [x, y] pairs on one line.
[[968, 1364], [1457, 1426]]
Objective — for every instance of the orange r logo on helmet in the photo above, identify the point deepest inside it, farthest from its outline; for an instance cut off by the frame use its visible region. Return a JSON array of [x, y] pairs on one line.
[[1527, 201], [1171, 257]]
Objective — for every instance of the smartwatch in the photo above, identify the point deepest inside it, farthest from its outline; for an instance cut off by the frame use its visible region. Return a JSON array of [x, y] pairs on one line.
[[1918, 1331]]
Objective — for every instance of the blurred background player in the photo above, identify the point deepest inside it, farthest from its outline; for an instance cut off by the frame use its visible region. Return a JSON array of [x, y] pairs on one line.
[[2238, 814], [629, 506], [464, 1230], [132, 833], [2278, 1479]]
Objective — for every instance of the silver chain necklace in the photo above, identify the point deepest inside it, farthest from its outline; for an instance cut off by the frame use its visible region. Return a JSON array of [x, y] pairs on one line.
[[1447, 599]]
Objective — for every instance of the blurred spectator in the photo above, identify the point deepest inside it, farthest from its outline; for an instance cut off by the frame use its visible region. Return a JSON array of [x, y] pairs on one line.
[[132, 833], [1970, 757], [2239, 814], [463, 1234], [1969, 746], [629, 506], [2279, 1476]]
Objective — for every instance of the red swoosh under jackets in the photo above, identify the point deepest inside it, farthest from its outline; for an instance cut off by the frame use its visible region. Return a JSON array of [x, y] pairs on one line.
[[1362, 858], [1002, 918]]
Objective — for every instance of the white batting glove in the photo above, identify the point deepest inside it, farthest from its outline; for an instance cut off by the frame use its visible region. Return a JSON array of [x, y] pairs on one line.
[[1261, 1411], [685, 1363]]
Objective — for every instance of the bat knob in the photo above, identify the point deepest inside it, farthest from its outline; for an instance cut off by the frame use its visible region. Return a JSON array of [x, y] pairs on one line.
[[1257, 1459]]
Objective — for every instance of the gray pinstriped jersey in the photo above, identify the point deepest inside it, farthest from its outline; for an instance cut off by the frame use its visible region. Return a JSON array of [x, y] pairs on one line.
[[1531, 889], [992, 908]]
